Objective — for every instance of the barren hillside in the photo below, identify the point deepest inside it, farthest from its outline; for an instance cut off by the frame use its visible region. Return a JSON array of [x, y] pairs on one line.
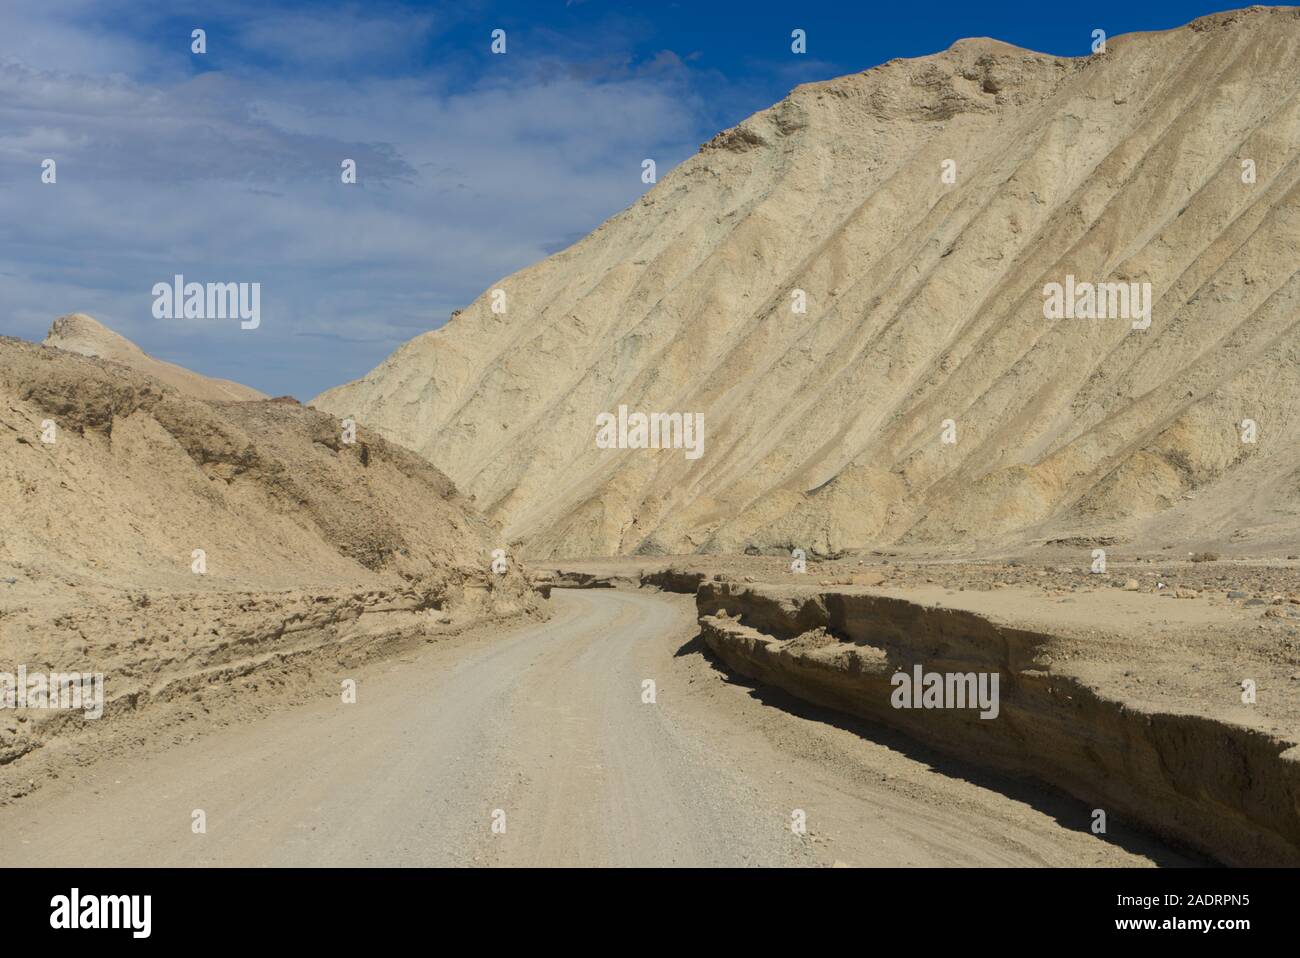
[[189, 548], [925, 318], [138, 475]]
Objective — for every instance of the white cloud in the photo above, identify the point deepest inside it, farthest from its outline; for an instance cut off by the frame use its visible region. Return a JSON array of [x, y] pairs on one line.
[[234, 175]]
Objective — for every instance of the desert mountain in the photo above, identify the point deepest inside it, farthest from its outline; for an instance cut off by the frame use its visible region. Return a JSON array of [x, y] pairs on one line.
[[79, 333], [926, 212]]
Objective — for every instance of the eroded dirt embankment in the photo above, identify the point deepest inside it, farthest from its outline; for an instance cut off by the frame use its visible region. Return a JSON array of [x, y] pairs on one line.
[[1228, 791]]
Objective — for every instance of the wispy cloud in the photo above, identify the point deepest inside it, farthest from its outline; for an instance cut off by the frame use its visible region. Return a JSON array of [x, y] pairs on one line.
[[350, 35], [167, 165]]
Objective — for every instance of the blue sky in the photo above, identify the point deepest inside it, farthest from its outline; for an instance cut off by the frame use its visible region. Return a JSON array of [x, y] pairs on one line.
[[225, 166]]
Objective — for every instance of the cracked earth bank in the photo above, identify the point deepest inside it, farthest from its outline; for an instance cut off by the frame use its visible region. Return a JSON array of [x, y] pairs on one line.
[[546, 723]]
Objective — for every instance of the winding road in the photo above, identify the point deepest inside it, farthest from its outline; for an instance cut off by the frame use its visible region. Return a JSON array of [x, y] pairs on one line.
[[544, 731]]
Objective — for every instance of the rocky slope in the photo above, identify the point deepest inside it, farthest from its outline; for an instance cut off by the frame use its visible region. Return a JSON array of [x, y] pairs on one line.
[[825, 430]]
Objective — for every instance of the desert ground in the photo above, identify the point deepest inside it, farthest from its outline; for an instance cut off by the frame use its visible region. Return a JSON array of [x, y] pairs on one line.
[[546, 722]]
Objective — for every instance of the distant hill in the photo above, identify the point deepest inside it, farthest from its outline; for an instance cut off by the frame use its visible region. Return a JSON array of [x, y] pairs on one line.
[[79, 333]]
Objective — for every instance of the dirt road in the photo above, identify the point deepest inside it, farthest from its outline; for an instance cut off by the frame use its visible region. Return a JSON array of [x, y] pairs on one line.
[[543, 728]]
